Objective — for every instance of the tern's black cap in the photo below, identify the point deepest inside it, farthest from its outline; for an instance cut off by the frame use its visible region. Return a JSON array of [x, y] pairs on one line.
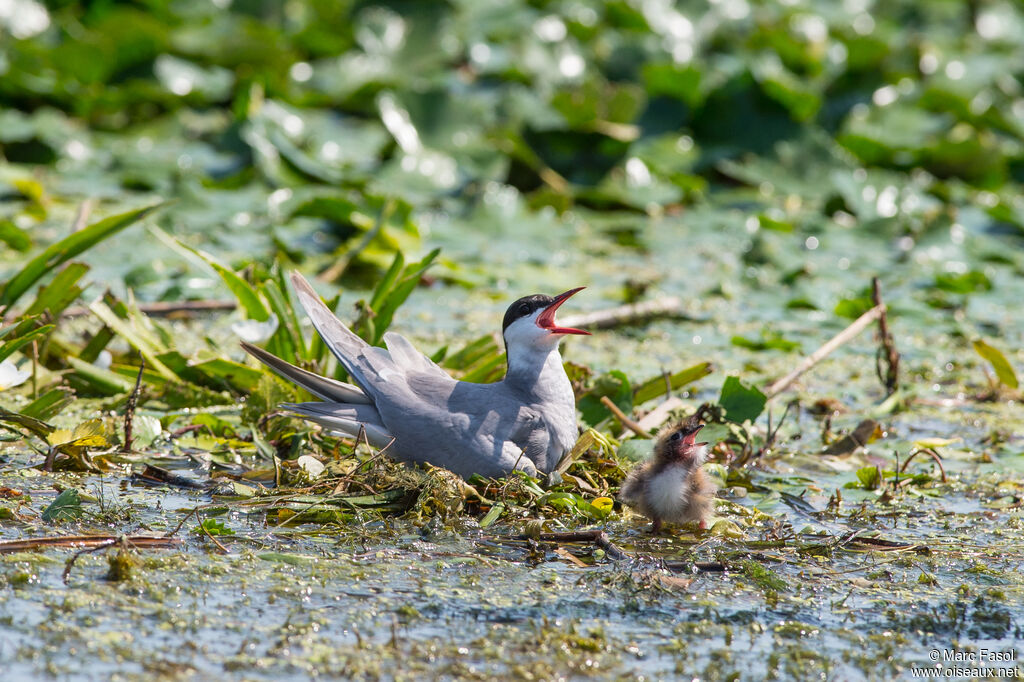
[[525, 307]]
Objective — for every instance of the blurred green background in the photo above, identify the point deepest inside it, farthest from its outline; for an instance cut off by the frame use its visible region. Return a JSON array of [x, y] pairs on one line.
[[761, 159], [280, 127]]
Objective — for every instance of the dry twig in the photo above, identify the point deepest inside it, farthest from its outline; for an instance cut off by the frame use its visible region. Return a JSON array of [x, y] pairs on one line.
[[129, 412], [598, 537], [817, 356], [622, 417], [627, 314]]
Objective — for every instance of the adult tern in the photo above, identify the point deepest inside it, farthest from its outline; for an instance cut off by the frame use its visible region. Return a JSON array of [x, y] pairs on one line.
[[407, 403]]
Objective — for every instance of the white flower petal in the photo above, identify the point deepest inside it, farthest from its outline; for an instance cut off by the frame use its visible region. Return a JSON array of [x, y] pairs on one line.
[[255, 332], [11, 376]]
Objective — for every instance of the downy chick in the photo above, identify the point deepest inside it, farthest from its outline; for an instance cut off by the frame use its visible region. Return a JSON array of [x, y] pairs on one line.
[[671, 486]]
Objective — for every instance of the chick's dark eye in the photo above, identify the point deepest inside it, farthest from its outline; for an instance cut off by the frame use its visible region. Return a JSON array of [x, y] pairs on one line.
[[676, 436], [524, 309]]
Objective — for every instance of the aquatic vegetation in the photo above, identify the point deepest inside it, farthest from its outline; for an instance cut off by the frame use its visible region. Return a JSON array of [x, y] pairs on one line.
[[736, 174]]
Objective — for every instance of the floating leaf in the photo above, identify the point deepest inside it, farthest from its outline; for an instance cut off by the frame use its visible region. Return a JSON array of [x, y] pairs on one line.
[[212, 527], [852, 308], [965, 283], [66, 249], [769, 340], [67, 507], [1000, 365]]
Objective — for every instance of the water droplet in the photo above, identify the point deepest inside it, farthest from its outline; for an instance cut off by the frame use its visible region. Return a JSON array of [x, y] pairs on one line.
[[301, 72], [571, 65]]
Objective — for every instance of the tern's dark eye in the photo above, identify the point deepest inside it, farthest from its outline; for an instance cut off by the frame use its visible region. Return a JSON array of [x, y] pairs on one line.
[[676, 436], [524, 308]]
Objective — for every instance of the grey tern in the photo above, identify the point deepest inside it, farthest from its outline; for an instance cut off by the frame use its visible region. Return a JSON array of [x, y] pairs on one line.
[[671, 486], [408, 404]]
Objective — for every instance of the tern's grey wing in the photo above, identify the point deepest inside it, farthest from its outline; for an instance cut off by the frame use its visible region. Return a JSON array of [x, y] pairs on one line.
[[411, 360], [344, 344], [467, 428], [380, 372], [322, 387], [347, 419]]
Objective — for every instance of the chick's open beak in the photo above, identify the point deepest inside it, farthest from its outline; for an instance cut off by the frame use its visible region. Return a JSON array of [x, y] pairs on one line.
[[690, 436], [546, 320]]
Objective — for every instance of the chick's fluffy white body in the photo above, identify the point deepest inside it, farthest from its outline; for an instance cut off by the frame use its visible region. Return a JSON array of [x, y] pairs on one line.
[[668, 492]]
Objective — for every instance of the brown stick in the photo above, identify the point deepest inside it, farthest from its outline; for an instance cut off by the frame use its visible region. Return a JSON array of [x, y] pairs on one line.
[[129, 412], [696, 566], [621, 416], [79, 541], [223, 549], [817, 356], [627, 314], [887, 349], [598, 537], [165, 308], [931, 453], [82, 216]]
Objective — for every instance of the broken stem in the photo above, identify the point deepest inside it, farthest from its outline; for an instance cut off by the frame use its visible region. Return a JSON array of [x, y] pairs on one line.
[[129, 412], [925, 451], [887, 348]]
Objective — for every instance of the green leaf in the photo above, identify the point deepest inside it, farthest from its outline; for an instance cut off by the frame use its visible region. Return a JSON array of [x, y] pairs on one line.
[[868, 478], [852, 308], [741, 402], [138, 340], [655, 386], [1000, 365], [61, 292], [243, 292], [287, 340], [9, 347], [615, 385], [965, 283], [492, 515], [388, 281], [66, 249], [14, 236], [398, 295], [212, 527], [49, 404], [241, 377], [67, 507], [100, 380], [769, 341], [37, 427]]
